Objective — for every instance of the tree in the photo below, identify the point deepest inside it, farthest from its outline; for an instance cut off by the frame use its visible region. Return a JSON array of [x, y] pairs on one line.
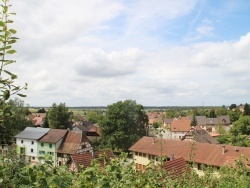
[[125, 122], [93, 116], [242, 126], [8, 85], [42, 110], [58, 117], [194, 121], [246, 110], [212, 113], [232, 106], [16, 122], [221, 111]]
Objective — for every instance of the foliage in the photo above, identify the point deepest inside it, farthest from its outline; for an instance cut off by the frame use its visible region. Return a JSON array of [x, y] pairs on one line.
[[16, 123], [125, 122], [94, 117], [194, 121], [8, 86], [221, 111], [58, 117], [234, 115], [212, 113], [42, 110], [118, 173], [246, 110], [232, 106]]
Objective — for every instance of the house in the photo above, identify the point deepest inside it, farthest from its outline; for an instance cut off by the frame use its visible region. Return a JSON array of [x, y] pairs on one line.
[[179, 127], [212, 123], [73, 143], [50, 142], [198, 134], [92, 131], [155, 117], [167, 122], [27, 142], [151, 148], [83, 160]]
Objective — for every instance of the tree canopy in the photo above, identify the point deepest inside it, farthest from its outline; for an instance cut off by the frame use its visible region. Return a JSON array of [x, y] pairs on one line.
[[58, 117], [125, 122]]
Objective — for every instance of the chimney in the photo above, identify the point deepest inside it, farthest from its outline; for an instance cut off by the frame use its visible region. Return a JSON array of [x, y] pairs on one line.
[[93, 154], [223, 149], [153, 139], [171, 157]]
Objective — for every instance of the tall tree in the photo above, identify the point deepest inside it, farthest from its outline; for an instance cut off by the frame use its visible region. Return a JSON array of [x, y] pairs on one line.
[[58, 117], [125, 122], [194, 121], [212, 113], [246, 110]]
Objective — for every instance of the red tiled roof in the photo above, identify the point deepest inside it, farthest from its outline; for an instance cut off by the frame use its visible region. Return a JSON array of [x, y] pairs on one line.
[[72, 142], [210, 154], [53, 136], [176, 167], [180, 125], [86, 158]]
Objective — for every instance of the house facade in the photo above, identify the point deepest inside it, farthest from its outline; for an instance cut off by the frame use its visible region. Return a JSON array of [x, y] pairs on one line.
[[49, 144], [27, 142], [74, 142], [214, 155], [179, 127]]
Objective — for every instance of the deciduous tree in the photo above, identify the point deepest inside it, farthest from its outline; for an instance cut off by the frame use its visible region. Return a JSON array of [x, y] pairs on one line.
[[58, 116], [124, 124]]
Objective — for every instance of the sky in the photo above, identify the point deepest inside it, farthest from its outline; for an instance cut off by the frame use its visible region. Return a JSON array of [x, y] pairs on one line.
[[158, 53]]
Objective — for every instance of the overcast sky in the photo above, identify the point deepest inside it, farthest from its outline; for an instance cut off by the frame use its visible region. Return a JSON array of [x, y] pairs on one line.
[[157, 52]]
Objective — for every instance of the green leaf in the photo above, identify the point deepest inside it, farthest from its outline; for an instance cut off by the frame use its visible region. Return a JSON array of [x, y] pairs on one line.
[[11, 51], [6, 94], [13, 31], [2, 24], [7, 72], [21, 95]]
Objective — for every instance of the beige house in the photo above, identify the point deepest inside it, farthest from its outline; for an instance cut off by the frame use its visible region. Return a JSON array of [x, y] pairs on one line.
[[151, 148]]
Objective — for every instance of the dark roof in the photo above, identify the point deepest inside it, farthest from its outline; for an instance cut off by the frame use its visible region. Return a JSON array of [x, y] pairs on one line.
[[53, 136], [211, 154], [200, 135], [224, 119], [71, 142], [32, 133], [86, 158], [168, 120], [201, 120], [176, 167]]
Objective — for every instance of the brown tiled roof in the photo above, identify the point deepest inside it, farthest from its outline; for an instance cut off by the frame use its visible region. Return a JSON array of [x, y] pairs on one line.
[[37, 120], [86, 158], [72, 142], [53, 136], [204, 153], [180, 125], [176, 167]]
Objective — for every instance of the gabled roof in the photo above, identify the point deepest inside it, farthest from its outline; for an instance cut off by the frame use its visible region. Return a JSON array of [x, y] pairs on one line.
[[200, 135], [210, 154], [86, 158], [176, 168], [71, 142], [168, 120], [53, 136], [32, 133], [224, 119], [180, 125], [201, 120], [38, 121], [212, 121]]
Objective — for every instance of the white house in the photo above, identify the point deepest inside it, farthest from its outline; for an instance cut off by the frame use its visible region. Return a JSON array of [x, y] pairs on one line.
[[26, 142]]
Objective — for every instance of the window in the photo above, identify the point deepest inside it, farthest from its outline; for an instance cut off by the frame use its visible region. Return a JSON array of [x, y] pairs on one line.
[[50, 145], [21, 141], [42, 144], [83, 146], [51, 153], [136, 153], [199, 166], [33, 158], [32, 142], [31, 150], [144, 154], [42, 152]]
